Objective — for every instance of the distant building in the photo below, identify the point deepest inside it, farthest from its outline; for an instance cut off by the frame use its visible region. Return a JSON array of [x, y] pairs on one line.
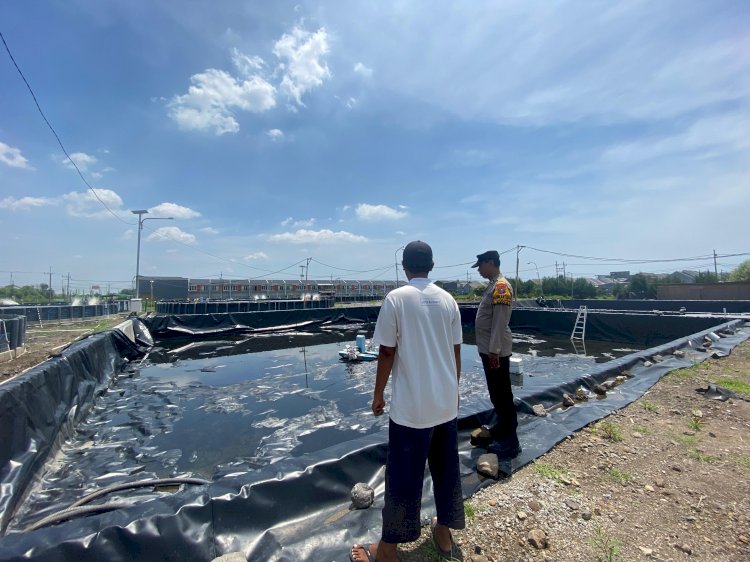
[[460, 287], [620, 276], [181, 288]]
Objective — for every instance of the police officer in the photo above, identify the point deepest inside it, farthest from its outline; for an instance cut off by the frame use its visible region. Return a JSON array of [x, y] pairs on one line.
[[494, 343]]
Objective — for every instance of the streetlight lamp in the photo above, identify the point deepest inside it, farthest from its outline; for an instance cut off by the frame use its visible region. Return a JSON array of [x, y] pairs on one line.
[[541, 287], [141, 220], [395, 260]]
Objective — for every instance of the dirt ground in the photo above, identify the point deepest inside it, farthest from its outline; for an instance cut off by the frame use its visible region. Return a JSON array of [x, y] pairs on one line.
[[666, 478], [51, 338]]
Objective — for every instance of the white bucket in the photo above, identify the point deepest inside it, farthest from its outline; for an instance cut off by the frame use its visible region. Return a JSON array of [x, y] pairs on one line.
[[360, 343], [516, 365]]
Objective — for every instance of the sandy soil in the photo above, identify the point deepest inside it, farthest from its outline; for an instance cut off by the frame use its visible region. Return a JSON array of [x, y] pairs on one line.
[[51, 338], [666, 478]]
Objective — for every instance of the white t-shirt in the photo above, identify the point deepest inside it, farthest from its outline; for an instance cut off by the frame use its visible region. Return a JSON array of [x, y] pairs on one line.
[[423, 323]]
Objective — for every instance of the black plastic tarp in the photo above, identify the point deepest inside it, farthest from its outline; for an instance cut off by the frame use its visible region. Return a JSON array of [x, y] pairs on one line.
[[203, 324], [664, 305], [298, 508], [39, 408], [12, 332]]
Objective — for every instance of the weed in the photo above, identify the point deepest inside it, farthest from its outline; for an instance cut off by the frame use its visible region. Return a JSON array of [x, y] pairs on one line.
[[649, 406], [642, 429], [619, 476], [546, 470], [605, 547], [687, 372], [687, 440], [696, 424], [702, 457], [735, 385], [469, 511], [610, 430], [744, 461]]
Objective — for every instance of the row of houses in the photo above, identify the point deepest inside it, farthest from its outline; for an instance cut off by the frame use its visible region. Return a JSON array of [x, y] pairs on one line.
[[182, 288]]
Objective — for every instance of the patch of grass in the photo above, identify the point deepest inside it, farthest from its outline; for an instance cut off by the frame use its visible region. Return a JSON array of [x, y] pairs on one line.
[[610, 430], [469, 511], [696, 424], [735, 385], [685, 373], [642, 429], [702, 457], [619, 476], [649, 406], [546, 470], [605, 546], [744, 461], [687, 440]]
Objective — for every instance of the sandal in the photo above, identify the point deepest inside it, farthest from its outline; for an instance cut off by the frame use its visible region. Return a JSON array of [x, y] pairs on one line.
[[453, 554], [366, 548]]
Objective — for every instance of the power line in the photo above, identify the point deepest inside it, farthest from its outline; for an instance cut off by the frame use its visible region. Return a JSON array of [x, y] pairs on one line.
[[51, 128]]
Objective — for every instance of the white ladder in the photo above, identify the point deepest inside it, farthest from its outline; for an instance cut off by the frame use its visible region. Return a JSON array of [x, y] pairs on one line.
[[39, 316], [579, 329]]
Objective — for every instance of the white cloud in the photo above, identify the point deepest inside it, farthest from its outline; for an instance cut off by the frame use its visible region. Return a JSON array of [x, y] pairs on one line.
[[351, 103], [129, 234], [82, 160], [24, 203], [212, 97], [173, 210], [247, 65], [303, 68], [707, 137], [519, 63], [275, 134], [209, 230], [12, 157], [256, 256], [303, 236], [85, 204], [378, 212], [171, 233], [306, 223], [360, 68]]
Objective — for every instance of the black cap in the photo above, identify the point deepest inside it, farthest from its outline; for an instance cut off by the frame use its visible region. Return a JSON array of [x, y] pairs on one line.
[[487, 256], [417, 256]]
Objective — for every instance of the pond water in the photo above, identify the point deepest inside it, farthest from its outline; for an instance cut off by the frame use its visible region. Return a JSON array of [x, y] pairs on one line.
[[223, 406]]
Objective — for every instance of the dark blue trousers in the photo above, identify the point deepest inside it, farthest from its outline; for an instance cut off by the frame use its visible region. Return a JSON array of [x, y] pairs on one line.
[[408, 450], [501, 396]]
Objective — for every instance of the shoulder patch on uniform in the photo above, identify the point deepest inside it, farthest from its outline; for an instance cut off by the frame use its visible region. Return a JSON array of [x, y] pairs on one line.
[[501, 294]]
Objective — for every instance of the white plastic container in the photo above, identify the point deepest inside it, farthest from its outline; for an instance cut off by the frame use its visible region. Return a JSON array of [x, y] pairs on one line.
[[360, 343], [516, 371]]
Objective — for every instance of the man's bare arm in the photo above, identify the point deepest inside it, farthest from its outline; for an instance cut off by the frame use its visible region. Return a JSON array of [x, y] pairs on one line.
[[457, 353], [386, 356]]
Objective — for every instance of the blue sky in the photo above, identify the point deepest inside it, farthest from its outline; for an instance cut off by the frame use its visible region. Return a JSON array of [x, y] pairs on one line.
[[273, 132]]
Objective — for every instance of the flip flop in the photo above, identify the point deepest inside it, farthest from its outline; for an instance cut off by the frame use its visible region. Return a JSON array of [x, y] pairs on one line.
[[453, 554], [366, 548]]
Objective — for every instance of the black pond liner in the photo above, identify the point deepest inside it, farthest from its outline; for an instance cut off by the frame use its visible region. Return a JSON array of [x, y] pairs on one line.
[[298, 507]]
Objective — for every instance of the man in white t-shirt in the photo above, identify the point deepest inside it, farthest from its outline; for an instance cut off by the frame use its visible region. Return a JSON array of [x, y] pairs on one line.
[[419, 334]]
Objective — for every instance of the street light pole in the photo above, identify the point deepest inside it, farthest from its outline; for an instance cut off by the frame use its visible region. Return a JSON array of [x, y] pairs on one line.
[[395, 260], [541, 287], [141, 220]]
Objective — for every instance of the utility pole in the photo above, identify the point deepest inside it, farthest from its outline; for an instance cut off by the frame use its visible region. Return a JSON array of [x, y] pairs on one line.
[[68, 291], [51, 290], [716, 271], [515, 289], [307, 267]]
